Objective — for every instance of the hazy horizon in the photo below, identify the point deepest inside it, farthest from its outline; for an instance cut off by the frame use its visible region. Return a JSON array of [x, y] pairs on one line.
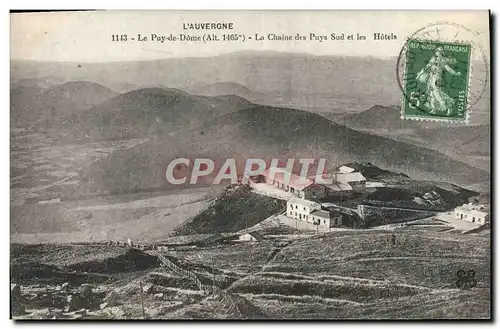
[[231, 53], [86, 36]]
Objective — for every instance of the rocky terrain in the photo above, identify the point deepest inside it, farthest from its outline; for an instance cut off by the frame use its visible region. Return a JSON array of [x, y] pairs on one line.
[[339, 275]]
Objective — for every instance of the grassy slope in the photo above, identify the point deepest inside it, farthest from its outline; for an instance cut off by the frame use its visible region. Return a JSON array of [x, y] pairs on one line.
[[49, 106], [149, 112], [474, 140], [235, 209], [359, 275], [337, 275], [368, 266], [100, 259], [428, 259]]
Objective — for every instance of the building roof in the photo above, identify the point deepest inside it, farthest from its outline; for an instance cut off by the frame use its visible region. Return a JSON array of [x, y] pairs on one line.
[[470, 211], [321, 213], [349, 177], [295, 181], [339, 186], [345, 169], [303, 202], [317, 178], [478, 206]]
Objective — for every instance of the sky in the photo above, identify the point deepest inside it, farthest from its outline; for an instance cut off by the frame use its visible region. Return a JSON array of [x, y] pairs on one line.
[[86, 36]]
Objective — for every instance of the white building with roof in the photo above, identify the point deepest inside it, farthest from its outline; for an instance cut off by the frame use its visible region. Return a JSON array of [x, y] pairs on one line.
[[345, 183], [472, 213], [301, 209], [355, 179], [338, 189], [345, 170], [251, 236], [300, 187], [326, 219]]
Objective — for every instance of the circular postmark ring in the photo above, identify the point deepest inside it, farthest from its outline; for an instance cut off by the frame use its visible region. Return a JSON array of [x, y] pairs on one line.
[[433, 99]]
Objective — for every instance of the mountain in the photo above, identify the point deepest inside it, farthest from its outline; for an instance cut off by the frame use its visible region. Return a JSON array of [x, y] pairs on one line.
[[285, 73], [76, 96], [446, 137], [291, 131], [51, 105], [346, 84], [22, 100], [150, 111], [377, 116], [269, 132], [381, 117], [41, 83], [122, 87], [222, 88], [471, 140], [23, 94], [258, 71]]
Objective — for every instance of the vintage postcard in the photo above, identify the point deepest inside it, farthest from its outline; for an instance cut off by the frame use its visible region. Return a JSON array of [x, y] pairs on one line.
[[278, 165]]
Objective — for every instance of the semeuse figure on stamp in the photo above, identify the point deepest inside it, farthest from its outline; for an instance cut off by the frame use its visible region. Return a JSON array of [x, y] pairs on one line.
[[437, 100]]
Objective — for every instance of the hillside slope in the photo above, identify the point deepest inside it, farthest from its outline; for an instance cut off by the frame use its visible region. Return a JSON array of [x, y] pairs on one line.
[[268, 132], [143, 112], [76, 95], [48, 107], [39, 82], [235, 209], [472, 140], [386, 121], [295, 132], [21, 102], [382, 117], [222, 88]]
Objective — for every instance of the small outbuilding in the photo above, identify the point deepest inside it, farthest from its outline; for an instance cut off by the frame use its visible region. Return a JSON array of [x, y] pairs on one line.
[[345, 170], [473, 213], [326, 218], [251, 236]]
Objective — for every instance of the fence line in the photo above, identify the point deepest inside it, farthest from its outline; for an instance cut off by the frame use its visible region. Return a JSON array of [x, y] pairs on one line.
[[224, 296]]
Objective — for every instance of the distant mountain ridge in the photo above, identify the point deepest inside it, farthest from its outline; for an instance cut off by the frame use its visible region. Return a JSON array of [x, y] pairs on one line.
[[182, 124], [150, 112], [222, 88], [464, 139], [473, 140], [41, 83], [258, 71], [79, 95], [56, 102], [288, 79], [386, 117]]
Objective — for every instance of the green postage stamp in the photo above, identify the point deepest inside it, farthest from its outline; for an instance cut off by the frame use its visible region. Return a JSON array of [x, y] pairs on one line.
[[436, 83]]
